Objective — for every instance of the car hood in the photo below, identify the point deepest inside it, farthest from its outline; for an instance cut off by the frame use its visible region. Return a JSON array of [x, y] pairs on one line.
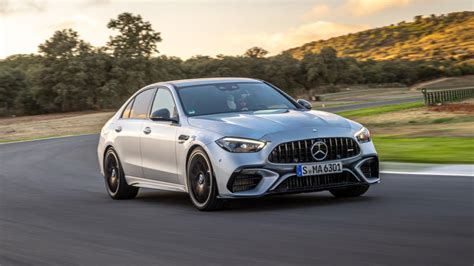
[[258, 124]]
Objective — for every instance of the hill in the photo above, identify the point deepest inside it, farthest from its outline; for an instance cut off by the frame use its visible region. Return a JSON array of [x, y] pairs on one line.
[[443, 37]]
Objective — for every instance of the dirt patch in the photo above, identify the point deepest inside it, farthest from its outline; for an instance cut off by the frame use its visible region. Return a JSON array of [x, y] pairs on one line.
[[39, 126], [446, 130], [457, 108], [405, 116], [455, 82], [38, 118], [367, 95]]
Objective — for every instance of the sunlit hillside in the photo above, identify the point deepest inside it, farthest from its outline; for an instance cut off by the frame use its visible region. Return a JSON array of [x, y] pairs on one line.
[[443, 37]]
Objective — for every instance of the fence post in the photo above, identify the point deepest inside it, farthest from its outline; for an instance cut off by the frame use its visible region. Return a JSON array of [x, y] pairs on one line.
[[425, 97]]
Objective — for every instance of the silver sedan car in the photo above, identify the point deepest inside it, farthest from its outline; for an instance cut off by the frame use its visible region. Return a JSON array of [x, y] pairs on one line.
[[226, 138]]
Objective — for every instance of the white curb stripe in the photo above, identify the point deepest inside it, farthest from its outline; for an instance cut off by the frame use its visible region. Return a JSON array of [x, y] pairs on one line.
[[425, 173], [47, 138]]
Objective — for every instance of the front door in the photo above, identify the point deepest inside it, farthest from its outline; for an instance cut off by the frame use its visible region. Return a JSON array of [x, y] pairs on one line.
[[158, 140]]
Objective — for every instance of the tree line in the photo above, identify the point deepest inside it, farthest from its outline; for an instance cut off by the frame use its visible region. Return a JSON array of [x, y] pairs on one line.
[[69, 74]]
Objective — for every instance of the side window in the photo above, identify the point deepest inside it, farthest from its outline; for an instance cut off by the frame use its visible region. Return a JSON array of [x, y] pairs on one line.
[[127, 110], [141, 104], [163, 105]]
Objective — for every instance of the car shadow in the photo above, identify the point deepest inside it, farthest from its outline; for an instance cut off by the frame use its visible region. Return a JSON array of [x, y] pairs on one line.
[[292, 201], [275, 202]]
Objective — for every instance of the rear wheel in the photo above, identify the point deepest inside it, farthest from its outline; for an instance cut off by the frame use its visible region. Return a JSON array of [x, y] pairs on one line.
[[353, 191], [202, 187], [115, 183]]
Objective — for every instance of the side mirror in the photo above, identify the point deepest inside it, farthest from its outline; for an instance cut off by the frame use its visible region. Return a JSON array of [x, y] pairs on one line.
[[162, 115], [305, 104]]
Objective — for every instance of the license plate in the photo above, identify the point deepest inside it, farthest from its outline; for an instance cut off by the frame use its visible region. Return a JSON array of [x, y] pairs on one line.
[[319, 169]]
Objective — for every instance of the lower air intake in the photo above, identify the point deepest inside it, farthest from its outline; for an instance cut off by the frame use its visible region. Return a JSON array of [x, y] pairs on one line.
[[370, 168], [244, 182], [316, 182]]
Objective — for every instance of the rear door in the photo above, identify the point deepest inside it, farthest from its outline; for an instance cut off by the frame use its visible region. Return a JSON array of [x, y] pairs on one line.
[[128, 131], [158, 140]]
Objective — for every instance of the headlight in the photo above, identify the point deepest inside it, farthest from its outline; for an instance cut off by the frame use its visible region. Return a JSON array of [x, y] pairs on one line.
[[240, 145], [363, 135]]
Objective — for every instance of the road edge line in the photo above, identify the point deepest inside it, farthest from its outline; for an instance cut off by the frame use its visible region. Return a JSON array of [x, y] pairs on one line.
[[425, 173], [47, 138]]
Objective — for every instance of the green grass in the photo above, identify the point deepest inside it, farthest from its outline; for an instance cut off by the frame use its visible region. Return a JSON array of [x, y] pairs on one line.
[[455, 119], [426, 149], [380, 109]]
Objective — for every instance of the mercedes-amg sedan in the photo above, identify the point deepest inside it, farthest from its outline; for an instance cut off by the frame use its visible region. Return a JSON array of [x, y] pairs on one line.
[[231, 138]]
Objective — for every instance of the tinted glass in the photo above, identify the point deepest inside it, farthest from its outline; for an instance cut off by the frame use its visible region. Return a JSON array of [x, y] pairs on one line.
[[231, 97], [141, 104], [164, 100], [127, 110]]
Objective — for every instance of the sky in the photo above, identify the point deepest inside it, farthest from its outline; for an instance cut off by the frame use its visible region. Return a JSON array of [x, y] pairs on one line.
[[205, 27]]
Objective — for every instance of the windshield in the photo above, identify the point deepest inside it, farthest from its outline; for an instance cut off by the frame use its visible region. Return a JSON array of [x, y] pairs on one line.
[[231, 97]]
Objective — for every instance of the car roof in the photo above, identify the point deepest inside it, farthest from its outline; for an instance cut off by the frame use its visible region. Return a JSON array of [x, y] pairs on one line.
[[203, 81]]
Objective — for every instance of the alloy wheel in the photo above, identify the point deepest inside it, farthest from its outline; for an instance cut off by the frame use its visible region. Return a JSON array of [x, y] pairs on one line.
[[112, 172], [200, 178]]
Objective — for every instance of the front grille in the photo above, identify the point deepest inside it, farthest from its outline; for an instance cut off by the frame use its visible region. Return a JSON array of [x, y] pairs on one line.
[[316, 182], [244, 182], [300, 151]]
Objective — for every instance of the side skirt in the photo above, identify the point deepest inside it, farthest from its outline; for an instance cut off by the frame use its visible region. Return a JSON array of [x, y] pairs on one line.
[[148, 183]]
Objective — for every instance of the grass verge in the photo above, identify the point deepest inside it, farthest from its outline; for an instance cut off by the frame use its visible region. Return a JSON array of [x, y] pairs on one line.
[[426, 149], [380, 109]]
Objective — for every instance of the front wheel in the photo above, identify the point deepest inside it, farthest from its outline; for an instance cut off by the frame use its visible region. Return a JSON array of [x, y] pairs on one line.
[[202, 187], [347, 192], [117, 187]]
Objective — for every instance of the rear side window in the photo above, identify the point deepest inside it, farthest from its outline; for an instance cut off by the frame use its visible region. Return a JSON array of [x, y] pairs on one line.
[[141, 104], [127, 110]]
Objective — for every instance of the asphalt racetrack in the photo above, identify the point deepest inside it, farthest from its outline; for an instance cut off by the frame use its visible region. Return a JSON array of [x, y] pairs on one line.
[[54, 210]]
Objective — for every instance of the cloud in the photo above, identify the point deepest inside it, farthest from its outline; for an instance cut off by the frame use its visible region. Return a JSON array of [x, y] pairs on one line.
[[354, 8], [277, 42], [367, 7], [77, 21], [318, 11], [9, 7]]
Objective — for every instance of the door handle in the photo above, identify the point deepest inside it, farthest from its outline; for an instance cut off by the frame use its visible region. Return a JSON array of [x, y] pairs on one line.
[[147, 130], [118, 129], [182, 138]]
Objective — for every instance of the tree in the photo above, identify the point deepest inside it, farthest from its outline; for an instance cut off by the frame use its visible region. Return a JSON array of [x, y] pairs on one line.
[[12, 82], [418, 19], [71, 74], [136, 37], [284, 71], [63, 44], [330, 65], [256, 52]]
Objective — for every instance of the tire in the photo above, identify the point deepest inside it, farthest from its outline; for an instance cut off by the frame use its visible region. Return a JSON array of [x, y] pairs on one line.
[[348, 192], [202, 187], [115, 183]]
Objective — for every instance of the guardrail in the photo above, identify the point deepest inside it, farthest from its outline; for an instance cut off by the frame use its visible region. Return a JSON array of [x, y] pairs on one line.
[[435, 96]]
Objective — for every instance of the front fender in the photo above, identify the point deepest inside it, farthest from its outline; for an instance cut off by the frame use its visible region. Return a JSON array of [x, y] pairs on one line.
[[197, 138]]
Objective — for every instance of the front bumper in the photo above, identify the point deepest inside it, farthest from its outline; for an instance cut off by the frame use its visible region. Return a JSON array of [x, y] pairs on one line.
[[279, 179], [252, 175]]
